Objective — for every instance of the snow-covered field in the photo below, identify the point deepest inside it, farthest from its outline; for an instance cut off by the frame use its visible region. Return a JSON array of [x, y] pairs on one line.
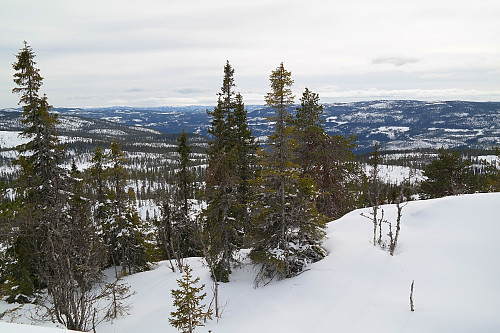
[[395, 174], [11, 139], [448, 246]]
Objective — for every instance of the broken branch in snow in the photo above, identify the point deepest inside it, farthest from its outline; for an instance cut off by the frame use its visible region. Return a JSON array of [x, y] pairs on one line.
[[412, 308]]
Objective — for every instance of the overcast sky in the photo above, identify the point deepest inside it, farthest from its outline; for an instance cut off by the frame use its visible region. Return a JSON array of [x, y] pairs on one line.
[[163, 52]]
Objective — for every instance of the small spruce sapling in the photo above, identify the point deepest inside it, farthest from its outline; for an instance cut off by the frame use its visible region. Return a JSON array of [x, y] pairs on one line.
[[190, 313]]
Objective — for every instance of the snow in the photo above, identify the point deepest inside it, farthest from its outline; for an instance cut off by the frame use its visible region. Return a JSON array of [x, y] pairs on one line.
[[448, 246], [107, 131], [11, 139], [490, 158], [18, 328], [390, 131], [395, 174], [333, 119]]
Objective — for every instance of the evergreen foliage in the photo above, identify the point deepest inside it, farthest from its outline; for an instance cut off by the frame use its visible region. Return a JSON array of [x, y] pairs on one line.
[[492, 182], [287, 228], [97, 181], [184, 226], [245, 168], [40, 183], [28, 80], [231, 159], [7, 239], [117, 214], [177, 232], [447, 175], [184, 176], [190, 313], [328, 160]]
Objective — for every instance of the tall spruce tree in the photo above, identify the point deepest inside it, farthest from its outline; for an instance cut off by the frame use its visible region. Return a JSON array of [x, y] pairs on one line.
[[40, 181], [185, 229], [328, 160], [287, 228], [246, 160], [230, 168], [56, 246], [184, 175]]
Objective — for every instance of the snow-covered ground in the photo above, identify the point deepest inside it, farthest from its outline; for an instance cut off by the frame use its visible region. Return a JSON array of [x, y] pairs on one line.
[[448, 246], [395, 174], [11, 139]]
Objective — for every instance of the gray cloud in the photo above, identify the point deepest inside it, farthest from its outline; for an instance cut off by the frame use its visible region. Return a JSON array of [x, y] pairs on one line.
[[132, 90], [190, 91], [395, 60]]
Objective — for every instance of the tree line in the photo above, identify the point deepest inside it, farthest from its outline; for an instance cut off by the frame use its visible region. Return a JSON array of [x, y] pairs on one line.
[[62, 228]]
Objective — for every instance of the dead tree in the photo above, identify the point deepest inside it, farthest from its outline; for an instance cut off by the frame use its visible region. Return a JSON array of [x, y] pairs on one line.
[[374, 193], [399, 206]]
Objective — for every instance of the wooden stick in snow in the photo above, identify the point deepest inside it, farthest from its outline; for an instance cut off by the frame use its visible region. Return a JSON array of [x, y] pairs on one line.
[[412, 308]]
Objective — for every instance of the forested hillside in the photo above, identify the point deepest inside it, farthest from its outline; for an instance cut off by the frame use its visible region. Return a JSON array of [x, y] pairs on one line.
[[395, 124]]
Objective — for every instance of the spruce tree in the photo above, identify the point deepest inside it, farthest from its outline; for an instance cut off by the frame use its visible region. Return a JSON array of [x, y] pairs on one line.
[[230, 168], [328, 160], [178, 234], [287, 228], [97, 184], [184, 175], [280, 99], [123, 226], [447, 175], [493, 174], [190, 313], [245, 166], [57, 245], [28, 80], [185, 228], [40, 182]]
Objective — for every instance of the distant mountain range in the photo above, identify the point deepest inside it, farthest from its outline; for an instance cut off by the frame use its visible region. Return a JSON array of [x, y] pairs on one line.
[[396, 125], [86, 133]]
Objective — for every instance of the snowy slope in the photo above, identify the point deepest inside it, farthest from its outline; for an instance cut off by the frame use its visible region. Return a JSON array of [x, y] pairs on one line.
[[19, 328], [449, 246]]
